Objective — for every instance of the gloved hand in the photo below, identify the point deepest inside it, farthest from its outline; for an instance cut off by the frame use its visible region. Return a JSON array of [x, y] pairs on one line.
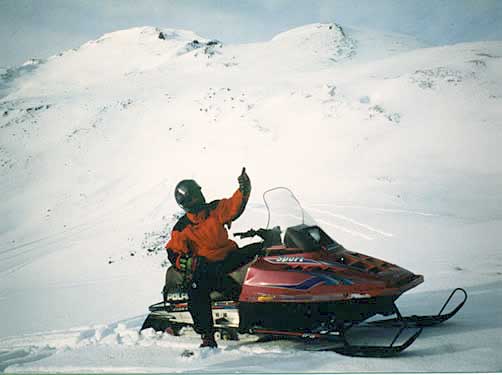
[[244, 182], [186, 263]]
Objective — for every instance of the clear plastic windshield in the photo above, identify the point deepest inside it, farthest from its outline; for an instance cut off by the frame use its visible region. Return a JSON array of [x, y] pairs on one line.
[[298, 230], [285, 210]]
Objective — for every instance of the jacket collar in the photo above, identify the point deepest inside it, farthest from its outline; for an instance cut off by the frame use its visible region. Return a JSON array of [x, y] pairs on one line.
[[197, 218]]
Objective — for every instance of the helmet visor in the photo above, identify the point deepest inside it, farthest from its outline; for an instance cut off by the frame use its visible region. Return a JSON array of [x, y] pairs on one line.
[[189, 196]]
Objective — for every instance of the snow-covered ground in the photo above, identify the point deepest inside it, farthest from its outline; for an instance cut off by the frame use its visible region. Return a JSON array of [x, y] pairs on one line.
[[469, 343], [392, 146]]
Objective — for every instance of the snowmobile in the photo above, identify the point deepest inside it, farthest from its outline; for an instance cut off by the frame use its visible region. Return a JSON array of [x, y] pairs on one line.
[[307, 286]]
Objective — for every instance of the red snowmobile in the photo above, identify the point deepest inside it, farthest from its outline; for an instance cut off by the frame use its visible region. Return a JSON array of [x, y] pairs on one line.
[[307, 286]]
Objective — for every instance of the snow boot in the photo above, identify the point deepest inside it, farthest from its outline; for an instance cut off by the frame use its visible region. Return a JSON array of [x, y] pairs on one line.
[[208, 341]]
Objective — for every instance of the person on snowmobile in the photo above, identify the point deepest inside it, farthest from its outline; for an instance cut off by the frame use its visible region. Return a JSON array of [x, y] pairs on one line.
[[200, 248]]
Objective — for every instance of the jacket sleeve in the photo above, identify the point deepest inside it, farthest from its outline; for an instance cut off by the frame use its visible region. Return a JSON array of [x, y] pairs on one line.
[[230, 209], [176, 247]]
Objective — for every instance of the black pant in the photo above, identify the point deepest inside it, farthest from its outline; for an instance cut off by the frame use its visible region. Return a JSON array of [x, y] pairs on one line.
[[213, 276]]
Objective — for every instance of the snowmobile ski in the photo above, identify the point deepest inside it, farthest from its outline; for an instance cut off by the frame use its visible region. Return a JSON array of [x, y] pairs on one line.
[[375, 351], [337, 342], [424, 320]]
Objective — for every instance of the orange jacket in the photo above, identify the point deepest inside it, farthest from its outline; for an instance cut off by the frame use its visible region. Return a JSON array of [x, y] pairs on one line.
[[204, 234]]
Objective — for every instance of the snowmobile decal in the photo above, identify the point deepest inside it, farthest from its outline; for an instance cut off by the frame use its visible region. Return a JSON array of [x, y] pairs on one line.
[[304, 285], [290, 259], [286, 259], [317, 279], [302, 260], [332, 279], [358, 295]]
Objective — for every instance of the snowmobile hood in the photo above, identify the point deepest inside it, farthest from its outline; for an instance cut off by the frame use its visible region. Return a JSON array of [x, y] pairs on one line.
[[305, 264], [323, 276]]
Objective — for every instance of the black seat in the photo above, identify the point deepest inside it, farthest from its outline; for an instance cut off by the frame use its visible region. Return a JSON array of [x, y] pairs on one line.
[[174, 283]]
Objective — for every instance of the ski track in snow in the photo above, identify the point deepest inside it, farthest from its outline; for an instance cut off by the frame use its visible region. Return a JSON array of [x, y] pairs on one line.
[[346, 230], [381, 209], [342, 217], [33, 249], [353, 232]]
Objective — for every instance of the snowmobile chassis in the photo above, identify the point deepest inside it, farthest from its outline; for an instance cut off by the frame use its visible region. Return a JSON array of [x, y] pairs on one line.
[[331, 339]]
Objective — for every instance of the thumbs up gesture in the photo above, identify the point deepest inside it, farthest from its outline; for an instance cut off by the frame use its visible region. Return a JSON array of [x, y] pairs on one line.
[[244, 182]]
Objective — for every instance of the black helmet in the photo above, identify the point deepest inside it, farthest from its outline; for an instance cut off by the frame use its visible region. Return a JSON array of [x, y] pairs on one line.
[[189, 196]]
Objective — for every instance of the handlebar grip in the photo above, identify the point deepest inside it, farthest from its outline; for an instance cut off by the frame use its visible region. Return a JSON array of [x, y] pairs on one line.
[[249, 233]]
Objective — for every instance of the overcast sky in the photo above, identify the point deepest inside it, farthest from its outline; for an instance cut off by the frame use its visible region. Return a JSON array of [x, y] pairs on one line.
[[40, 28]]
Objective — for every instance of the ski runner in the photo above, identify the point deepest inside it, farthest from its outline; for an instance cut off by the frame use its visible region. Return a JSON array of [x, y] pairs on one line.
[[200, 248]]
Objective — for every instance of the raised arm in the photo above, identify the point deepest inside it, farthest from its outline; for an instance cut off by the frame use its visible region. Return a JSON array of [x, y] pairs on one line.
[[230, 209]]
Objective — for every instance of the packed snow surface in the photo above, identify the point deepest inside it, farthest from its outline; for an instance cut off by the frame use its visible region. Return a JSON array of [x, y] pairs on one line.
[[392, 146]]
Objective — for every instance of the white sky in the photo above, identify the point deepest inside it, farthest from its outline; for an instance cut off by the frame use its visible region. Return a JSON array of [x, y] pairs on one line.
[[33, 28]]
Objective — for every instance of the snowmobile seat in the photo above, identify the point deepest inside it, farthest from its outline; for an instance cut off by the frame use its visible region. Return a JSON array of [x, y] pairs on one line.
[[174, 283]]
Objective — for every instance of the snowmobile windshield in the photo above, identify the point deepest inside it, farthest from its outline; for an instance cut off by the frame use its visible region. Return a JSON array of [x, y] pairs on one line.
[[298, 230], [284, 209]]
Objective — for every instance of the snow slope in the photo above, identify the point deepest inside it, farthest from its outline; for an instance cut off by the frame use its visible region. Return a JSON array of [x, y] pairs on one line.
[[392, 146]]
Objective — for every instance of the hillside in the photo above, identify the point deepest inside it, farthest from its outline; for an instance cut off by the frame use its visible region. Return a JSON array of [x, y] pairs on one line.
[[392, 145]]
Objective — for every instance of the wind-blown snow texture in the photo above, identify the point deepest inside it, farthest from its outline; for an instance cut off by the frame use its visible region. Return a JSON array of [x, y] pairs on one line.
[[393, 147]]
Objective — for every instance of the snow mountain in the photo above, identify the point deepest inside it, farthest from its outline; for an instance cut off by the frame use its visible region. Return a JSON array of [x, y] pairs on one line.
[[392, 144]]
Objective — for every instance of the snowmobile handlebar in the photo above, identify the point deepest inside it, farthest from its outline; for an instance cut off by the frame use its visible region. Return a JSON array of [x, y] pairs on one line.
[[247, 234], [263, 233], [269, 236]]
